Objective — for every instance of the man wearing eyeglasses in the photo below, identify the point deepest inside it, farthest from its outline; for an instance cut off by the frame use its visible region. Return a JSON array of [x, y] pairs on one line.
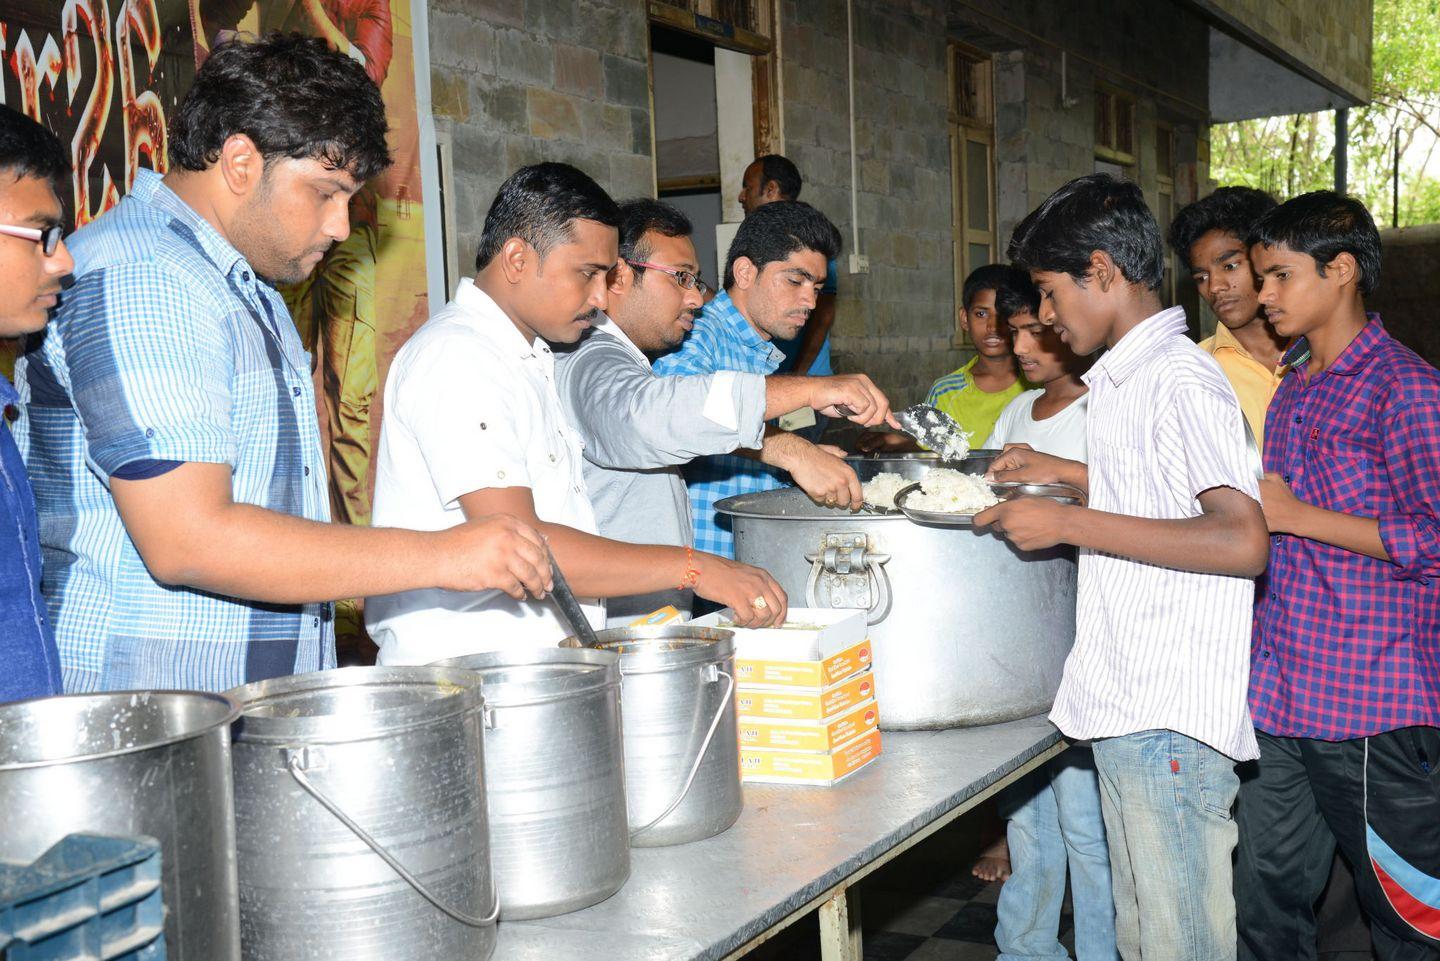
[[638, 427], [33, 262]]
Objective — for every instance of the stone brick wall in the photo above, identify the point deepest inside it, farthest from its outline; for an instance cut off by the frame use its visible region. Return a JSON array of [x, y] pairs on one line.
[[517, 81], [897, 321], [1410, 288], [521, 81]]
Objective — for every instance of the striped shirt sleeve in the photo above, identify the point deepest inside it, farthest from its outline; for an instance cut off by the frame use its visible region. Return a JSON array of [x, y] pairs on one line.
[[933, 397], [150, 369], [1206, 429]]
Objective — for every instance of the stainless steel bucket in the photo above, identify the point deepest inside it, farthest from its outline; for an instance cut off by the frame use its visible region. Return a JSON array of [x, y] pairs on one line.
[[554, 778], [682, 753], [148, 762], [965, 628], [360, 817]]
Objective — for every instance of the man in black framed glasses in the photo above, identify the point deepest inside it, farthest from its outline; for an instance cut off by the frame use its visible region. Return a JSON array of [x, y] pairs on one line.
[[639, 427], [33, 263]]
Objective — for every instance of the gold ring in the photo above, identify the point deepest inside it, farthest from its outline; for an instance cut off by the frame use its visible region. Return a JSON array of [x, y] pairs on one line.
[[759, 604]]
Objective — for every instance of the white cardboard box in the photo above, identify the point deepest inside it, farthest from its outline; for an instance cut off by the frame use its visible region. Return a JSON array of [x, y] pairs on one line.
[[833, 631]]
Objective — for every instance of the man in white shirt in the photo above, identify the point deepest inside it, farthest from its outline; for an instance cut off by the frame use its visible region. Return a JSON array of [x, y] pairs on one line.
[[638, 427], [473, 426], [1170, 542], [1053, 814]]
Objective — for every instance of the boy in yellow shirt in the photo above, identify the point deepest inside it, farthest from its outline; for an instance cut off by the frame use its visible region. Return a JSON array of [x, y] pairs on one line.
[[1209, 235], [976, 393]]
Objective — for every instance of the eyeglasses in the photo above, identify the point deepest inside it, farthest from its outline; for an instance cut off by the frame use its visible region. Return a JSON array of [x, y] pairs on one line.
[[684, 278], [47, 237]]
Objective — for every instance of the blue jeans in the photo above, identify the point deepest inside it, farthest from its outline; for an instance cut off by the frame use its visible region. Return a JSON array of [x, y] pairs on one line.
[[1055, 820], [1168, 803]]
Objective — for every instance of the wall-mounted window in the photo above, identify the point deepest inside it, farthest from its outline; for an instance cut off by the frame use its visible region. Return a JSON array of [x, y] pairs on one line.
[[1165, 202], [972, 165], [1114, 126]]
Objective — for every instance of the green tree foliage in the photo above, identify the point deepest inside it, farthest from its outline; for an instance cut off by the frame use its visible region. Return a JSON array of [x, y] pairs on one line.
[[1290, 155]]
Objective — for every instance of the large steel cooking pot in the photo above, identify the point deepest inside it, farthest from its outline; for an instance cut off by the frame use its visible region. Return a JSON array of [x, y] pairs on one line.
[[145, 762], [966, 629], [554, 778], [912, 466], [360, 817], [682, 751]]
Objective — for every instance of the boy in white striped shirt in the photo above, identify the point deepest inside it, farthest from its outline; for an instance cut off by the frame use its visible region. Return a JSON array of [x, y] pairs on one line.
[[1170, 540]]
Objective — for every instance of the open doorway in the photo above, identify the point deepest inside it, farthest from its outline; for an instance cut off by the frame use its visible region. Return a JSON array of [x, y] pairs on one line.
[[715, 89], [687, 148]]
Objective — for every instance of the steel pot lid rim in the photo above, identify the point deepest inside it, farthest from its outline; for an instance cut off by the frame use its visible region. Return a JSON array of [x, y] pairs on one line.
[[587, 671], [222, 719], [925, 455], [701, 646], [349, 724]]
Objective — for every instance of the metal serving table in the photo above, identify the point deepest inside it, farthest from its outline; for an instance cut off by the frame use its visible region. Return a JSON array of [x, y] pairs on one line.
[[793, 851]]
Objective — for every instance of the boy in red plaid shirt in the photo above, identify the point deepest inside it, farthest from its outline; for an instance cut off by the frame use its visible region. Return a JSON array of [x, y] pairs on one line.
[[1345, 679]]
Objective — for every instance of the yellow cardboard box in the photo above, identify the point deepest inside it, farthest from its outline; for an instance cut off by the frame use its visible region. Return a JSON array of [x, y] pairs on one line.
[[818, 736], [798, 767], [668, 614], [798, 703], [811, 674], [815, 648]]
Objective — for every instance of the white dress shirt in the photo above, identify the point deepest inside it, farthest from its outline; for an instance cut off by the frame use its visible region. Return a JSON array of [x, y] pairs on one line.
[[471, 405], [1158, 648]]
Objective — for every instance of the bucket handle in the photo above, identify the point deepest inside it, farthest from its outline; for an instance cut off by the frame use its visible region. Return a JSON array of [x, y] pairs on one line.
[[715, 673], [298, 760]]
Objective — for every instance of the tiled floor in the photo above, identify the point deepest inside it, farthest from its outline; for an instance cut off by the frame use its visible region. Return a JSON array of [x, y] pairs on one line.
[[923, 906]]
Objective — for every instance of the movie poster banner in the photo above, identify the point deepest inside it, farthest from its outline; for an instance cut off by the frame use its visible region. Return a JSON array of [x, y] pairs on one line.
[[107, 76]]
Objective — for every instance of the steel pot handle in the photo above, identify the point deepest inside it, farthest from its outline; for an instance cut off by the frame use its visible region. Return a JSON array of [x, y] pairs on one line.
[[715, 674], [298, 760], [848, 551]]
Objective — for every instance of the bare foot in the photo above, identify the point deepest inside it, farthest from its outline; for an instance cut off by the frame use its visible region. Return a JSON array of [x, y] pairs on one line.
[[993, 864]]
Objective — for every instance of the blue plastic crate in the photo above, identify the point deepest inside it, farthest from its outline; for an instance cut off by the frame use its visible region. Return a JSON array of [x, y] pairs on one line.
[[88, 898]]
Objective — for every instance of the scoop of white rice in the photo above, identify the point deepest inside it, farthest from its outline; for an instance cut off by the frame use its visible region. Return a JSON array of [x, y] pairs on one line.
[[951, 492], [881, 489]]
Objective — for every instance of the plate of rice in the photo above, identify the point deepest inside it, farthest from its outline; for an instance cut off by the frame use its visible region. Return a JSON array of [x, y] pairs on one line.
[[946, 496]]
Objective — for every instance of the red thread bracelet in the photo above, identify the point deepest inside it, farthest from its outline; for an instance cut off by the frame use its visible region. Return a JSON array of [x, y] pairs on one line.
[[692, 574]]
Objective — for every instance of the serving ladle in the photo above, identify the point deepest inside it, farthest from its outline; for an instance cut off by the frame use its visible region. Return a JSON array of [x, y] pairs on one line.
[[570, 608]]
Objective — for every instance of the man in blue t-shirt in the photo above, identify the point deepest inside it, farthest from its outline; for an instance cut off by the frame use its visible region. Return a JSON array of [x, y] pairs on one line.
[[33, 262]]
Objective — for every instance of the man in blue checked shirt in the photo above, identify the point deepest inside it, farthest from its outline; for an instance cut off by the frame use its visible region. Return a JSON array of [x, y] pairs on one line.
[[773, 274], [33, 262], [170, 425]]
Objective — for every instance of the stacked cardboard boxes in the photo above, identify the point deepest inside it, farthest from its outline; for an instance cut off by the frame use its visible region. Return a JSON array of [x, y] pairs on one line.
[[805, 697]]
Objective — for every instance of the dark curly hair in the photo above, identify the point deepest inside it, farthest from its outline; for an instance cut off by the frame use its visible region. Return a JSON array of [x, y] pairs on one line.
[[1097, 212], [777, 230], [1322, 225], [1231, 210], [28, 149], [293, 96]]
